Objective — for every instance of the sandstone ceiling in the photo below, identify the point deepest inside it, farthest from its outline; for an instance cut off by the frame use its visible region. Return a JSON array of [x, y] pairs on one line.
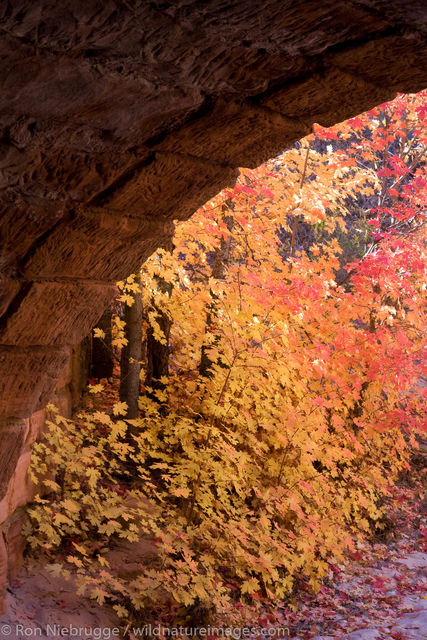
[[118, 116]]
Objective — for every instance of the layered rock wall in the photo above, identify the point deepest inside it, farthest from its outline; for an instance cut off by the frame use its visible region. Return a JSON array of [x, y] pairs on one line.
[[19, 489]]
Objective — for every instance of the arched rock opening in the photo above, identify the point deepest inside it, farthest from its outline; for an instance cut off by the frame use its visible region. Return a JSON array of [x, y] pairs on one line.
[[117, 118]]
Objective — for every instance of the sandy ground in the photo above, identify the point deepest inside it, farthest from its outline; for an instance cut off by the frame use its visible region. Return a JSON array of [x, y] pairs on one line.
[[386, 598], [37, 601]]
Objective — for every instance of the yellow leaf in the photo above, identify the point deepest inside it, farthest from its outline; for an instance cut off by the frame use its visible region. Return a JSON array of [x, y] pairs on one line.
[[102, 417], [121, 611], [95, 388], [250, 586], [60, 518], [102, 561], [52, 485], [70, 505], [120, 408], [80, 549], [127, 299]]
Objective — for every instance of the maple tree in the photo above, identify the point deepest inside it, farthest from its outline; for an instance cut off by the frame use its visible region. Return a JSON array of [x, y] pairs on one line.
[[283, 409]]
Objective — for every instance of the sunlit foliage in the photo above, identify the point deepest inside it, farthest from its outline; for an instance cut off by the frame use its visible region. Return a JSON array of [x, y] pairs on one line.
[[251, 473]]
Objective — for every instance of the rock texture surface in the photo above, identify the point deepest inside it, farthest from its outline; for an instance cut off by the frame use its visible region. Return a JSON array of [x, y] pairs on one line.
[[16, 438], [117, 117]]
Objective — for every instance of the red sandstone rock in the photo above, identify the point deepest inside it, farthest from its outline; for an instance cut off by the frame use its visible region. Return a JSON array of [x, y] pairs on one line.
[[15, 543], [3, 572]]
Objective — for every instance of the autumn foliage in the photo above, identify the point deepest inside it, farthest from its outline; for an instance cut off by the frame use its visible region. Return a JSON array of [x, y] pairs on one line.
[[289, 409]]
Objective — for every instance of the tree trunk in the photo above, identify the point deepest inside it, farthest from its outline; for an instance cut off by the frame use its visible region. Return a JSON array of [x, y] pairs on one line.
[[157, 352], [220, 261], [102, 360], [130, 362]]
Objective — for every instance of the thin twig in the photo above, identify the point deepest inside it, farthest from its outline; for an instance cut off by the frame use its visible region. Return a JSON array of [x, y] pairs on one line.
[[295, 224]]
